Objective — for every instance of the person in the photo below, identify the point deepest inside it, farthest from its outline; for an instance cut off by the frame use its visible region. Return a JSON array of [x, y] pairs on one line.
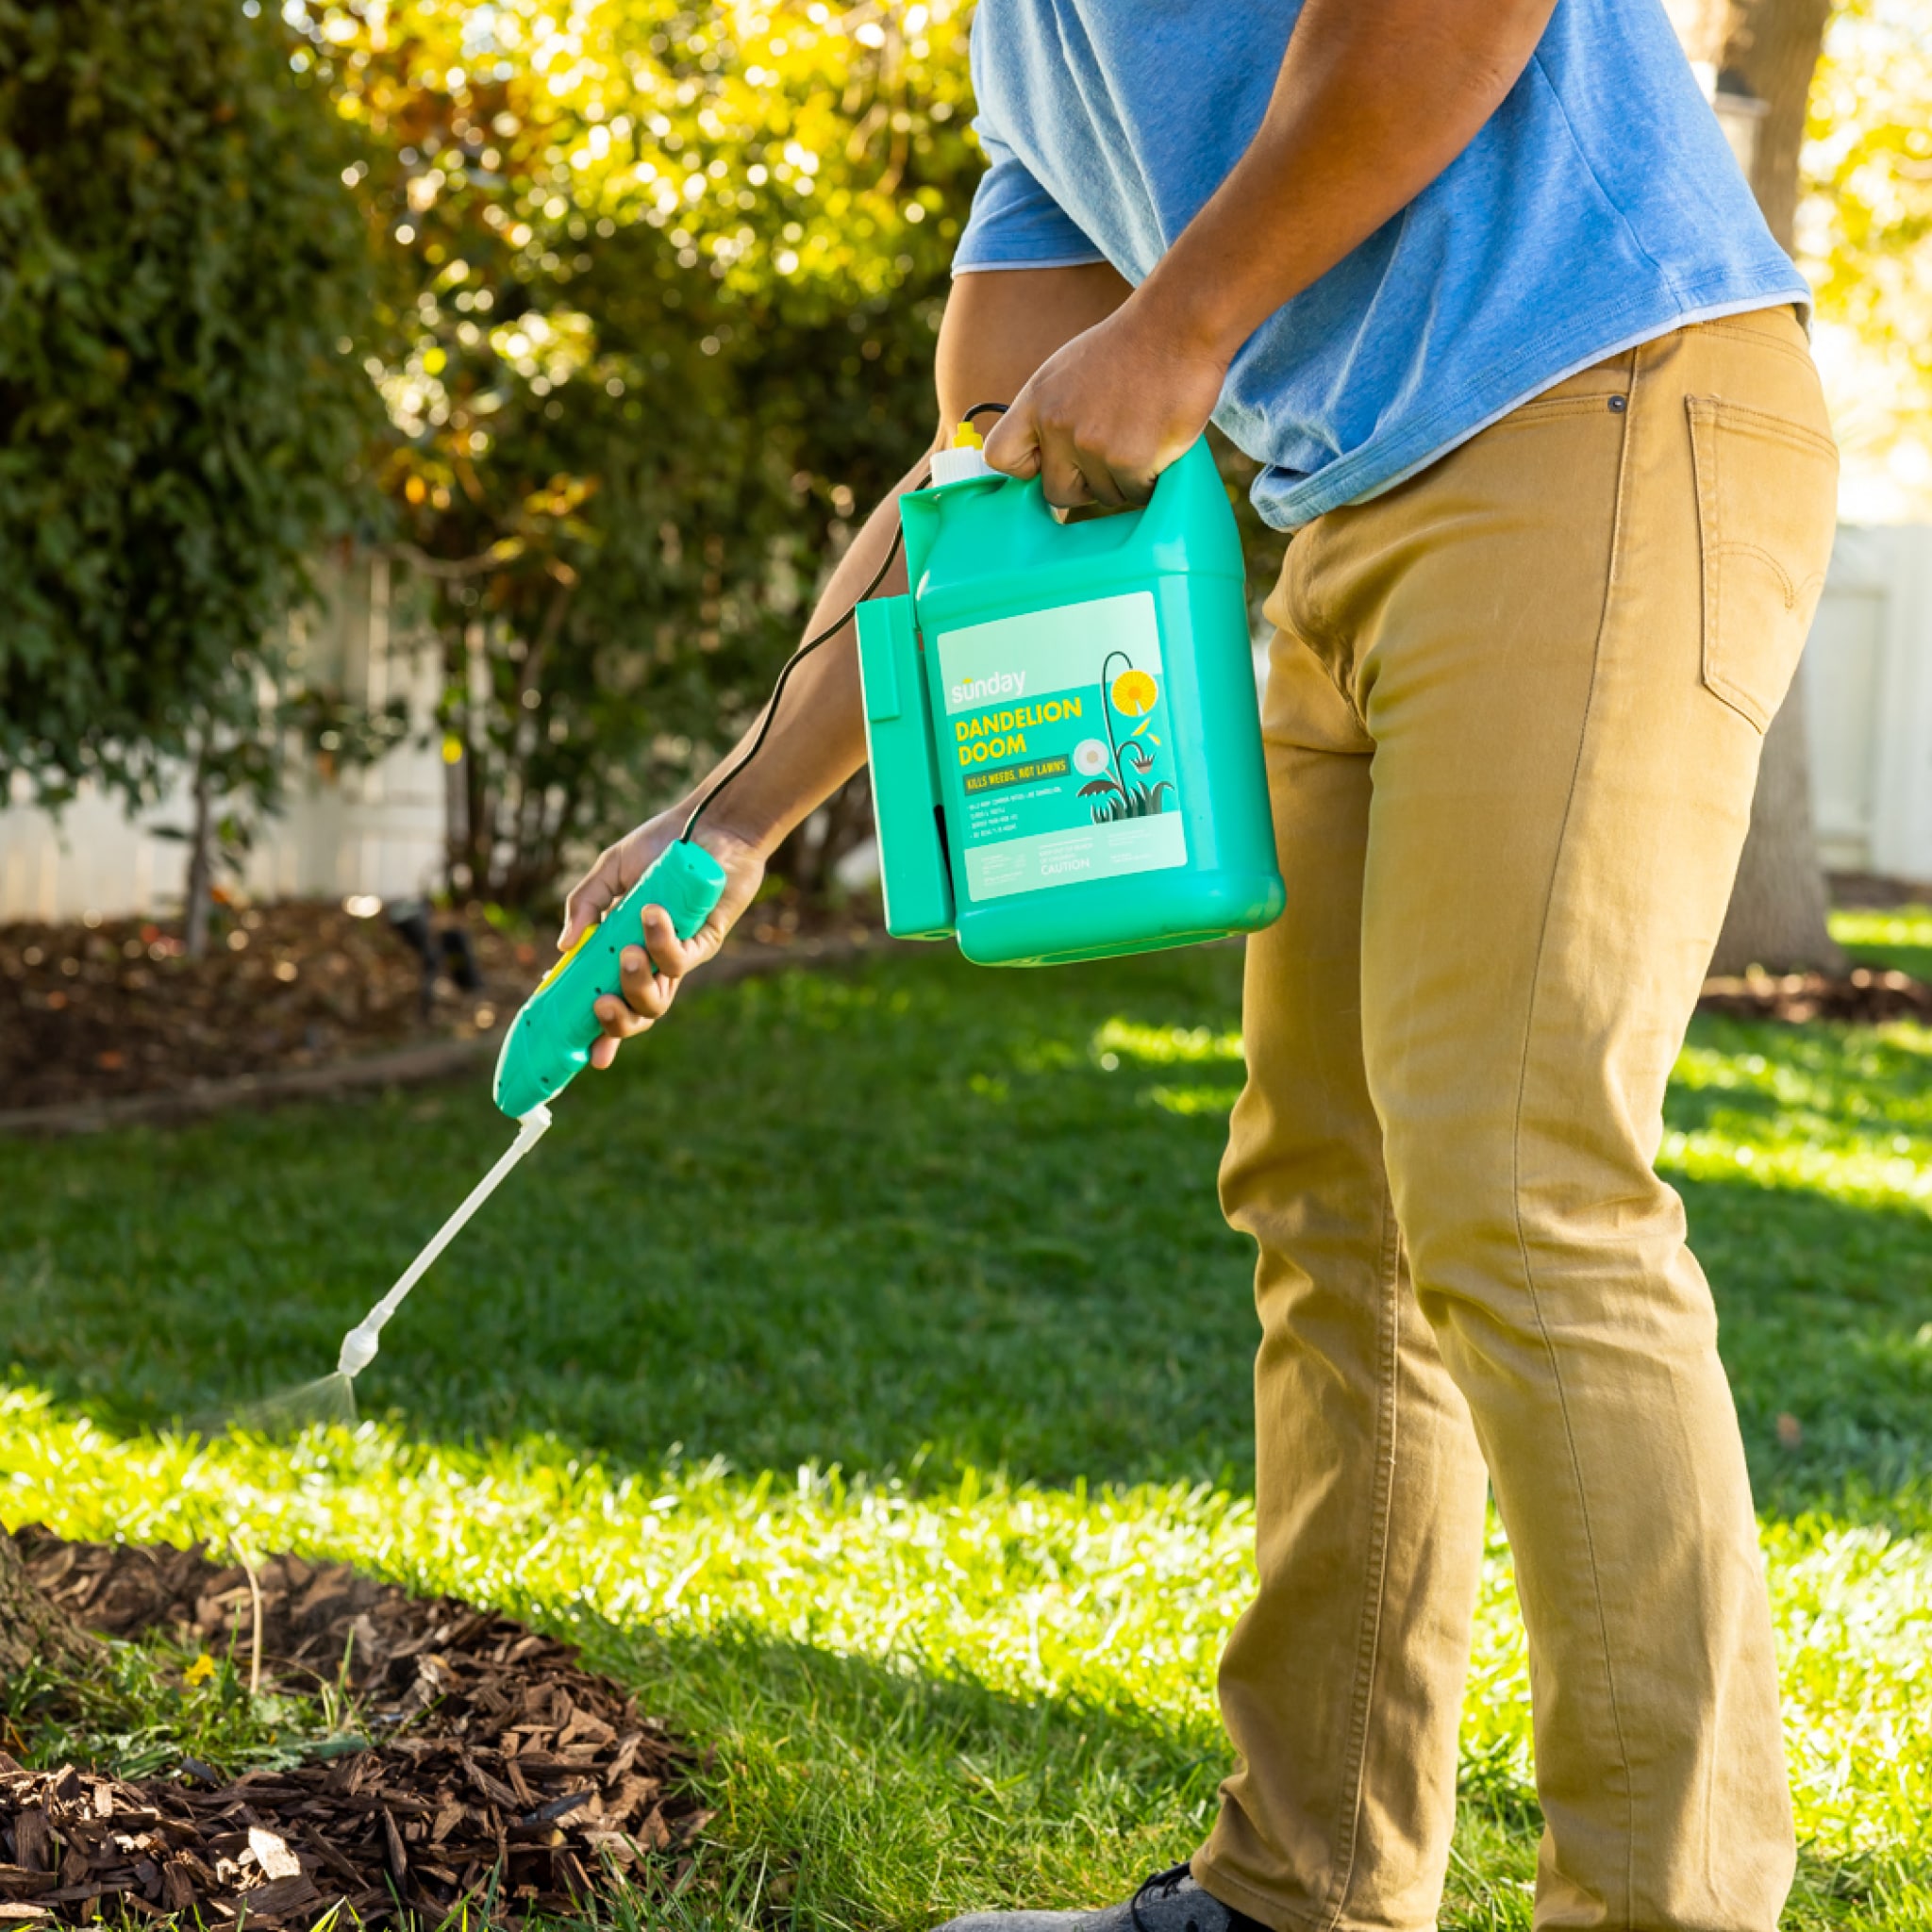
[[1479, 285]]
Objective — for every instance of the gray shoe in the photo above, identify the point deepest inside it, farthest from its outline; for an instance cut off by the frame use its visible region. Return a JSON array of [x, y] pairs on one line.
[[1169, 1902]]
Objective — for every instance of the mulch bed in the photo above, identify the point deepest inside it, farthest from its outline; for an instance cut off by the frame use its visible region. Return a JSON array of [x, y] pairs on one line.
[[101, 1012], [97, 1013], [92, 1014], [1866, 994], [502, 1772]]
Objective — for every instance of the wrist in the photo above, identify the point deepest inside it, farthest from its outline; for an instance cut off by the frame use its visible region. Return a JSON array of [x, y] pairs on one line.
[[724, 831], [1186, 316]]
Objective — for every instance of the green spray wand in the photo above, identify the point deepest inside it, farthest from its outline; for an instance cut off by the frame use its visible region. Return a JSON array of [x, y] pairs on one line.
[[547, 1046], [549, 1042]]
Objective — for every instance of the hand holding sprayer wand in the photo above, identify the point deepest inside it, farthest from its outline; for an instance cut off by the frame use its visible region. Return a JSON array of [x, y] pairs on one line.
[[552, 1038]]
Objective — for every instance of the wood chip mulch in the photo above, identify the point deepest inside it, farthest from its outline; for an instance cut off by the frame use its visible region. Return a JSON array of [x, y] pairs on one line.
[[102, 1012], [1866, 994], [501, 1771]]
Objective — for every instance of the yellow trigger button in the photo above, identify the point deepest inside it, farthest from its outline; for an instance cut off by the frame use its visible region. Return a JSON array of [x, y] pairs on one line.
[[583, 940]]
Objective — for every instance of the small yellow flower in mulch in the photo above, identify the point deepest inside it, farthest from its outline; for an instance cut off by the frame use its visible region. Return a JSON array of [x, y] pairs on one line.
[[199, 1671]]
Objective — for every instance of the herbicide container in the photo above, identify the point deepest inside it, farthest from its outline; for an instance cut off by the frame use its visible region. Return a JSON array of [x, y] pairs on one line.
[[1065, 744]]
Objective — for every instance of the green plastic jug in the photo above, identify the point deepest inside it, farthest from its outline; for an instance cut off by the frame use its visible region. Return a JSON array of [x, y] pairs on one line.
[[1065, 744]]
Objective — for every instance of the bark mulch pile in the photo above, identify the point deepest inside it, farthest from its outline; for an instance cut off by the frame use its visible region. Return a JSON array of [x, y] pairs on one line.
[[499, 1772], [1867, 995]]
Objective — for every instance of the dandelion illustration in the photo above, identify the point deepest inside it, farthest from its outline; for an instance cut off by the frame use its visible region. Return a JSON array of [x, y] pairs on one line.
[[1133, 693]]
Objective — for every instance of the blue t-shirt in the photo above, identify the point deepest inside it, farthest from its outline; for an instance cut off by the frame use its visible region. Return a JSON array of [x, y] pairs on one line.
[[1600, 207]]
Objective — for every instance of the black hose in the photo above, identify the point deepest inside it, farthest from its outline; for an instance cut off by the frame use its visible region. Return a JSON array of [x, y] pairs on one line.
[[791, 663]]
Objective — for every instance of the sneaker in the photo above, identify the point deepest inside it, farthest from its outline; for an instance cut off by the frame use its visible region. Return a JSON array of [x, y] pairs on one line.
[[1169, 1902]]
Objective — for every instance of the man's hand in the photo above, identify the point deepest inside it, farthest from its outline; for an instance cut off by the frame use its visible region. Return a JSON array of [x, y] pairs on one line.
[[1102, 418], [648, 993]]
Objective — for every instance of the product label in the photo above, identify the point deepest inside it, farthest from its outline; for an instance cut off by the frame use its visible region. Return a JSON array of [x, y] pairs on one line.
[[1054, 734]]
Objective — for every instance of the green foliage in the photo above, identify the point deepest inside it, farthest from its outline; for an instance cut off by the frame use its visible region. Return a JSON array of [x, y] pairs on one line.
[[153, 1705], [1901, 939], [657, 287], [1866, 225], [179, 411], [663, 285]]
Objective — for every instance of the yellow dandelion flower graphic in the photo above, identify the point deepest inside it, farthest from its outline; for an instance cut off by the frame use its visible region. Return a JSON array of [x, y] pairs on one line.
[[1134, 693]]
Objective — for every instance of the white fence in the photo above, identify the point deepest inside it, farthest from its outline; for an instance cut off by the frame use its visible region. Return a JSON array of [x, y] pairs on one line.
[[1867, 683], [1868, 699], [378, 829]]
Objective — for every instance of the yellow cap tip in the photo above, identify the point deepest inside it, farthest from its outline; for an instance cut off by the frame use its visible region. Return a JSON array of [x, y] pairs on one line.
[[966, 437]]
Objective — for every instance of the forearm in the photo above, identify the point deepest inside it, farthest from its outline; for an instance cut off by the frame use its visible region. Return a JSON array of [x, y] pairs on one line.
[[1373, 101], [817, 741], [998, 328]]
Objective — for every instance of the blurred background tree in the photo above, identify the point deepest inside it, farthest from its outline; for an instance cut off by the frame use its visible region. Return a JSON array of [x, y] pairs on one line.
[[1864, 231], [662, 286], [183, 278], [1757, 60]]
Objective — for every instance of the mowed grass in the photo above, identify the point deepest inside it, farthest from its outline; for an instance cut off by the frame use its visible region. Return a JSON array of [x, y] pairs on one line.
[[862, 1372]]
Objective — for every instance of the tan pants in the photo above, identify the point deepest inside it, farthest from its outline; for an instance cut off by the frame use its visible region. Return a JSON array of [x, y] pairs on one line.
[[1513, 724]]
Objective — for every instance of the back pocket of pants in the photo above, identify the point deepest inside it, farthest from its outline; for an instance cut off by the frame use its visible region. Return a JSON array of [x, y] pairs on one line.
[[1767, 507]]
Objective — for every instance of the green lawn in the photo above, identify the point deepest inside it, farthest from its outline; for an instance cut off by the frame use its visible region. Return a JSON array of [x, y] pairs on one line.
[[862, 1371]]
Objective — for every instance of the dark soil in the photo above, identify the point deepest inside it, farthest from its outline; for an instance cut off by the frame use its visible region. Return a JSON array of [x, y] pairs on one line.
[[1878, 892], [92, 1013], [1866, 994], [498, 1772]]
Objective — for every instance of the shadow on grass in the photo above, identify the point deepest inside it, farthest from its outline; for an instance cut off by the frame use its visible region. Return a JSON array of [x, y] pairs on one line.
[[1823, 1312], [948, 1356], [906, 1219]]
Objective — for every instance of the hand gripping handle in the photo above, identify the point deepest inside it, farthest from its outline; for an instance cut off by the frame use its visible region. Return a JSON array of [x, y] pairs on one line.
[[549, 1042]]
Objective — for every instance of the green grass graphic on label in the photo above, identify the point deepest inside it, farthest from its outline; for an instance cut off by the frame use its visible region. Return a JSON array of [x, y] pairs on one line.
[[1133, 694]]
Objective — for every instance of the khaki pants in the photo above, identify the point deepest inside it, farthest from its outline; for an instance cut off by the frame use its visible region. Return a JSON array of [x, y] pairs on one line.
[[1513, 724]]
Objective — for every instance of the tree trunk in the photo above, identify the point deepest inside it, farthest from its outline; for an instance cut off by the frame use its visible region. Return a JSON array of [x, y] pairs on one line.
[[31, 1628], [201, 860], [1768, 50], [1772, 48], [1776, 916]]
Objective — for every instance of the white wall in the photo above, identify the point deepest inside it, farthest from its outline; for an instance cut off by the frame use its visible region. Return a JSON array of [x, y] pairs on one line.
[[1867, 683]]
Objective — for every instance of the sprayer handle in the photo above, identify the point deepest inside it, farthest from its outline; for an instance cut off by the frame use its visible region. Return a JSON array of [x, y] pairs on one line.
[[549, 1042]]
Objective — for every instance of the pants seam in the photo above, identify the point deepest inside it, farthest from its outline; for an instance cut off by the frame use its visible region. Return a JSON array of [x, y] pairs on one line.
[[1550, 1350], [1369, 1648], [1757, 338]]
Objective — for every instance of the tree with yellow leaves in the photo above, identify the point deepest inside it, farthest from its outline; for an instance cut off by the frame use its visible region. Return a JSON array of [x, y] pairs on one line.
[[663, 288]]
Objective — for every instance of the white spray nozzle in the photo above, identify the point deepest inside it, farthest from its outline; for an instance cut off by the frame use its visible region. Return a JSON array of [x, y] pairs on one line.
[[359, 1349]]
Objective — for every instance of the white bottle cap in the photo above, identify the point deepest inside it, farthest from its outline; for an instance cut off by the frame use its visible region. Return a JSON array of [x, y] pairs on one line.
[[956, 465]]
